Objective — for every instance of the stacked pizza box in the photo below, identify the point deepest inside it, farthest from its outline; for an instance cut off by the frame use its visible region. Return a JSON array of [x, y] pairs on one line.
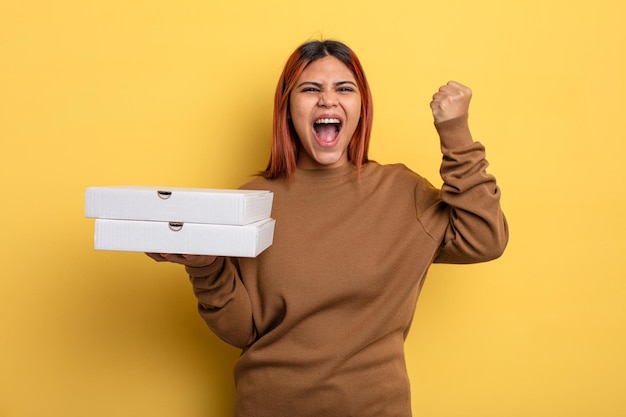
[[193, 221]]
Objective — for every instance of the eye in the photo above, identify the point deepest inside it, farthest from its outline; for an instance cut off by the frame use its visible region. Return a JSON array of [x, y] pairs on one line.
[[308, 87], [346, 87]]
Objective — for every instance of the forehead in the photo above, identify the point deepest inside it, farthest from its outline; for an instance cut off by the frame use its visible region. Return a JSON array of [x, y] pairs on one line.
[[327, 68]]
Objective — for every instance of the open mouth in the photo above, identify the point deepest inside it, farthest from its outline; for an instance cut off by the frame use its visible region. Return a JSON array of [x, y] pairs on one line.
[[327, 130]]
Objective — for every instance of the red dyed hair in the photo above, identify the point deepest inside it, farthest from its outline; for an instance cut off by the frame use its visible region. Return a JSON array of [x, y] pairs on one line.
[[285, 142]]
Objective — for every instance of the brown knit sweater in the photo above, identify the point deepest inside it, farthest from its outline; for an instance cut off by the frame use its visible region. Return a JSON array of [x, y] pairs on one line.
[[322, 314]]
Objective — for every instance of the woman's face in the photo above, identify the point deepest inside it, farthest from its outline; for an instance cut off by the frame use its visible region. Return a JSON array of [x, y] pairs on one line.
[[325, 108]]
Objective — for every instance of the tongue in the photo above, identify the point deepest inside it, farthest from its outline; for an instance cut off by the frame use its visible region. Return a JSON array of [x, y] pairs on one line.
[[326, 132]]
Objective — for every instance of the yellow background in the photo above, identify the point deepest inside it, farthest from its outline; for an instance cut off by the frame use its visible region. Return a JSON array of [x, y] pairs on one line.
[[179, 93]]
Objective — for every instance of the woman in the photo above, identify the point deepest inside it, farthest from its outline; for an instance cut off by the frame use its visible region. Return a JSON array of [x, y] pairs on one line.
[[322, 315]]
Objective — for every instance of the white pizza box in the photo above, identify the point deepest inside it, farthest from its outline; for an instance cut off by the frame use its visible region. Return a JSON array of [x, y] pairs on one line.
[[189, 205], [184, 238]]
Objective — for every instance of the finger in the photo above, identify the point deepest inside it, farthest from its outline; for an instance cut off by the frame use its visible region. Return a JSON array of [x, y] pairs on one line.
[[167, 257], [455, 84], [446, 91], [173, 257], [440, 95], [460, 88], [155, 256]]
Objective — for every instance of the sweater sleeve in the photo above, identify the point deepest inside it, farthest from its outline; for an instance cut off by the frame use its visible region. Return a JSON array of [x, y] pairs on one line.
[[223, 301], [477, 230]]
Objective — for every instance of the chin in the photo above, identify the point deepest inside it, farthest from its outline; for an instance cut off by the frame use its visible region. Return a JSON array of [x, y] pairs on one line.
[[331, 162]]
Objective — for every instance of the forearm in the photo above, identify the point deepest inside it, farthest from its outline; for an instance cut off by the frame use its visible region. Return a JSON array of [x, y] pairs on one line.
[[223, 301], [477, 228]]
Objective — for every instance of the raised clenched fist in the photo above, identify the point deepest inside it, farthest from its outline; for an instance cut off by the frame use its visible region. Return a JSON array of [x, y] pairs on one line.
[[450, 101]]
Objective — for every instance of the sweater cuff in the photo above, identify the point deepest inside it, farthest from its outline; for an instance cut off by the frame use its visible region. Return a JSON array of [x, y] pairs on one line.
[[206, 271], [454, 133]]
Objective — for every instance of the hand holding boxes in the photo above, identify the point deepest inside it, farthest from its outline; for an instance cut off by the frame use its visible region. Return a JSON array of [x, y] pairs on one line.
[[193, 221]]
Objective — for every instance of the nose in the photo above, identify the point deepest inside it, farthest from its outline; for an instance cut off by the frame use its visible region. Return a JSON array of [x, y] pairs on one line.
[[327, 99]]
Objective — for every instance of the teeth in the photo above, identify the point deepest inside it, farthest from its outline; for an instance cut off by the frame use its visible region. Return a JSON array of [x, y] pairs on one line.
[[327, 121]]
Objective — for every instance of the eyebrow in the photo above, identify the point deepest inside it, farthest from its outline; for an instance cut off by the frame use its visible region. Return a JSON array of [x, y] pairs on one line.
[[318, 84]]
